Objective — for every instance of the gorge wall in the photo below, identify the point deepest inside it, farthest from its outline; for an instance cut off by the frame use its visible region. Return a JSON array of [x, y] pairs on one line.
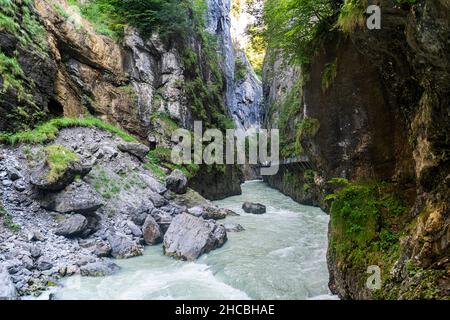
[[58, 64], [373, 108]]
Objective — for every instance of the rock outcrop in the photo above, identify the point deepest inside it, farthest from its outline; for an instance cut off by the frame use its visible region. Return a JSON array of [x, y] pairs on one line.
[[188, 237]]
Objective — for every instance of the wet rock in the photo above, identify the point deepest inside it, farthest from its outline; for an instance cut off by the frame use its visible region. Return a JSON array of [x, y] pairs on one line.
[[151, 231], [99, 269], [7, 288], [138, 150], [177, 182], [124, 248], [72, 226], [189, 237], [255, 208], [233, 227], [79, 197], [39, 176], [97, 247]]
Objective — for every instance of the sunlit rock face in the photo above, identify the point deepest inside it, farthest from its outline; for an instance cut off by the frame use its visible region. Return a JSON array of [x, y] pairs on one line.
[[243, 88]]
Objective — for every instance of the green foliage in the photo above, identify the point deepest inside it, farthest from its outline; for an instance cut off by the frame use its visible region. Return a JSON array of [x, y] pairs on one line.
[[352, 15], [364, 224], [240, 69], [49, 130], [105, 184], [8, 221], [169, 18], [329, 74], [161, 157], [306, 128], [289, 108], [58, 159], [294, 25], [17, 18]]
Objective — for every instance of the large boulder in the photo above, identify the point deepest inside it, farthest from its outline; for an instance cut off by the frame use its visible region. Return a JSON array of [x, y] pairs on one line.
[[138, 150], [40, 176], [99, 269], [73, 226], [189, 237], [7, 288], [151, 231], [124, 248], [177, 182], [78, 197], [255, 208]]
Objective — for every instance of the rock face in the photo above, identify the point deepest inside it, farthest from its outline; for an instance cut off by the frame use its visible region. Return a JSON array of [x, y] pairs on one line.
[[29, 101], [79, 197], [189, 237], [7, 288], [177, 182], [388, 134], [255, 208], [72, 226]]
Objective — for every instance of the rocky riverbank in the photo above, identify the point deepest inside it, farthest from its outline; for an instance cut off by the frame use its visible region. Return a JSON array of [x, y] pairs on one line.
[[59, 220]]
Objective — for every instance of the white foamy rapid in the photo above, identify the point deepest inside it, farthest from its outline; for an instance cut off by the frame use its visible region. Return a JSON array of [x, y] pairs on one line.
[[281, 255]]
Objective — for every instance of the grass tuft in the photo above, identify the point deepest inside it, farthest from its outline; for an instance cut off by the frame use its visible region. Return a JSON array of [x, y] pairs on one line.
[[58, 159], [48, 131]]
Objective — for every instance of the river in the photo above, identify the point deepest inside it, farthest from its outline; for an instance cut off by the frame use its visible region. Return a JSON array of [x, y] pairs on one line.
[[280, 255]]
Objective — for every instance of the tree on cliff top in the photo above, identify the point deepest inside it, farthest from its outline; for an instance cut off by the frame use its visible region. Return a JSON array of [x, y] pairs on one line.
[[293, 25]]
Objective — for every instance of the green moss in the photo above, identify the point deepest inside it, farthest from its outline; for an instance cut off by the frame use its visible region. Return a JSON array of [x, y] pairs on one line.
[[365, 223], [48, 131], [165, 121], [105, 184], [306, 128], [8, 221], [161, 157], [58, 159]]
